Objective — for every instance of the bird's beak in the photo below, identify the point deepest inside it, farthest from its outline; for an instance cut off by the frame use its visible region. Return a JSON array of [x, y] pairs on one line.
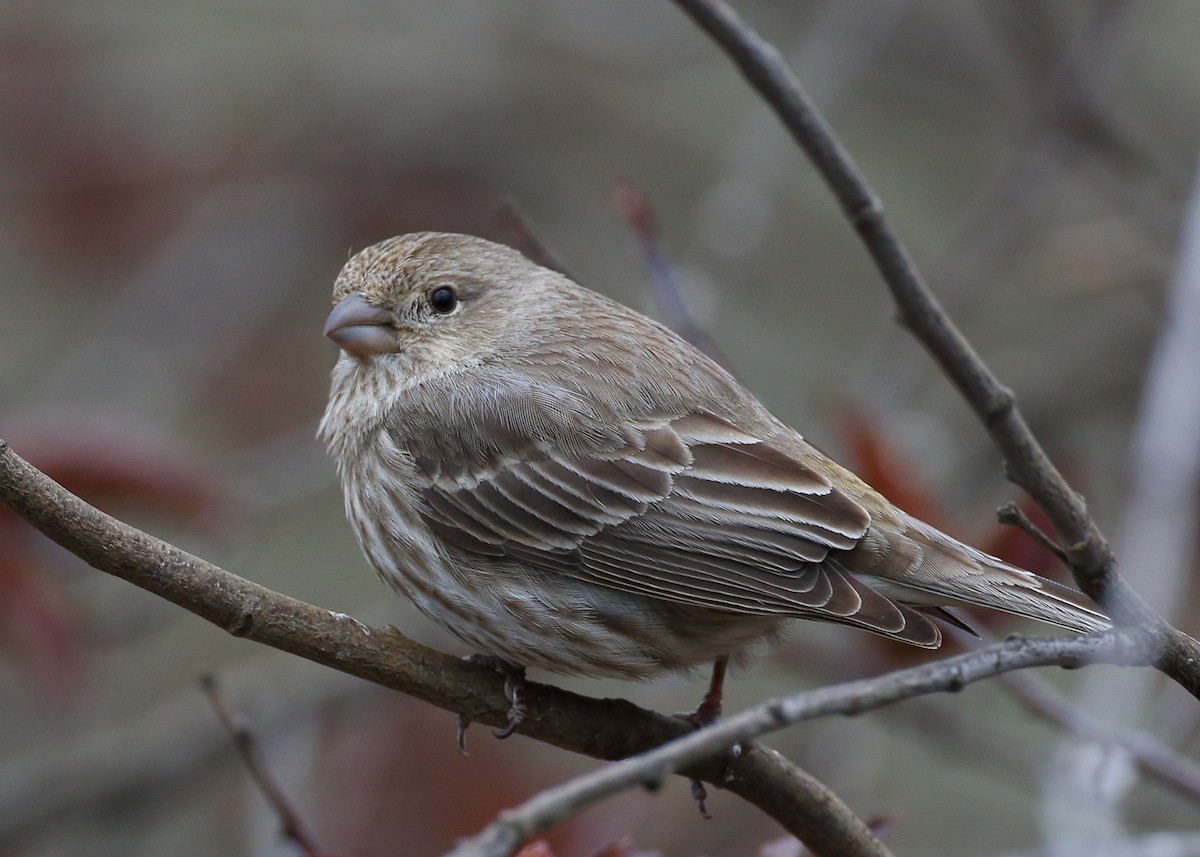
[[361, 329]]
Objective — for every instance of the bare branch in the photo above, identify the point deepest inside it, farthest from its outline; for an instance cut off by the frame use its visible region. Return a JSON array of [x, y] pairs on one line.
[[635, 209], [501, 838], [290, 824], [1092, 560], [1157, 759], [1012, 515], [600, 728]]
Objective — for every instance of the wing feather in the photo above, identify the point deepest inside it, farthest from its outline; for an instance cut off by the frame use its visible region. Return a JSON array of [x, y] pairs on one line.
[[570, 488], [691, 510]]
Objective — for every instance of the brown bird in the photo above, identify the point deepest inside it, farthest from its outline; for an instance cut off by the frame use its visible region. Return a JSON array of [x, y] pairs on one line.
[[565, 484]]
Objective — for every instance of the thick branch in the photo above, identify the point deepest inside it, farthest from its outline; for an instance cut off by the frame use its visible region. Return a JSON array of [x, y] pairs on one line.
[[600, 728], [1092, 561]]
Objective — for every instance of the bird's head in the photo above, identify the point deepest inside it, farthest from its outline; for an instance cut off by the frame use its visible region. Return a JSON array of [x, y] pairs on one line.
[[427, 303]]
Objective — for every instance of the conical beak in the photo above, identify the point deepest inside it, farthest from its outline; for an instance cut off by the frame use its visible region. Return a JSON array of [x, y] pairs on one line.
[[361, 329]]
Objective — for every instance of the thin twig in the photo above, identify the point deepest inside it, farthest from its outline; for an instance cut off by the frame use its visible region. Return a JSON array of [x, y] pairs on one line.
[[637, 212], [1092, 560], [158, 748], [526, 238], [1012, 515], [291, 826], [503, 836]]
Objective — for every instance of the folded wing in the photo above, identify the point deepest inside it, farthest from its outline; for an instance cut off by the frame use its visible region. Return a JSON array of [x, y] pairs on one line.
[[690, 510]]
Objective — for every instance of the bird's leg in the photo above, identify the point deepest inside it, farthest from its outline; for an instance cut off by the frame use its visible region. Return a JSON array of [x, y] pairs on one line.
[[514, 692], [709, 710], [707, 713]]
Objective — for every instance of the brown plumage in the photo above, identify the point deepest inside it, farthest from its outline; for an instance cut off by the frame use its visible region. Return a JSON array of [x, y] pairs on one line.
[[563, 483]]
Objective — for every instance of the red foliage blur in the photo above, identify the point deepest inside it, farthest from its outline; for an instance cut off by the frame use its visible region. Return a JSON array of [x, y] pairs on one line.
[[128, 465]]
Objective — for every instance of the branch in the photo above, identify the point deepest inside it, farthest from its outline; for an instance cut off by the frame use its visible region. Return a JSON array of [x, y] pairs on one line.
[[634, 208], [600, 728], [1156, 758], [1092, 560], [159, 748], [503, 837], [526, 239], [291, 826]]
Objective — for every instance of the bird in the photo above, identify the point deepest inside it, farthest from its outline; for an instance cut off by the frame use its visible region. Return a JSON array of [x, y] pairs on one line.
[[565, 484]]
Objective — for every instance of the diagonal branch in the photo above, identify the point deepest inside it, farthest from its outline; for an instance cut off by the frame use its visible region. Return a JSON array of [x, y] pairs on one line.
[[600, 728], [291, 826], [1092, 560], [503, 837]]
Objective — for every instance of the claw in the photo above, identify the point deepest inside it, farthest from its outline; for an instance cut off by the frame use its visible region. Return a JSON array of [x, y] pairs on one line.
[[514, 692], [460, 733], [700, 795]]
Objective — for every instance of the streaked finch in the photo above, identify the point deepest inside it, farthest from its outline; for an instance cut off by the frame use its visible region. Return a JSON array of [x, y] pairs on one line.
[[566, 484]]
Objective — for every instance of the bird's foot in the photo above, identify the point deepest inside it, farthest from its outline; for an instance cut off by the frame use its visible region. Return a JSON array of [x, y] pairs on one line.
[[514, 692], [708, 713], [703, 717]]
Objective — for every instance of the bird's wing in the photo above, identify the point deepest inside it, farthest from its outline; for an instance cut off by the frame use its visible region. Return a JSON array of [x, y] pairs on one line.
[[690, 510]]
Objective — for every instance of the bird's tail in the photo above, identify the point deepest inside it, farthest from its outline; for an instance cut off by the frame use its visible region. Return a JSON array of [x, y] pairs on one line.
[[924, 567]]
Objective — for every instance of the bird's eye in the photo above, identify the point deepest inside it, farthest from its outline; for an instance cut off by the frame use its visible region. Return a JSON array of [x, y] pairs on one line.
[[443, 299]]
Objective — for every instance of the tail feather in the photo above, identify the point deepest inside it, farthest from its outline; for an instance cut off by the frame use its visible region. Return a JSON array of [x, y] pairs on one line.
[[933, 570]]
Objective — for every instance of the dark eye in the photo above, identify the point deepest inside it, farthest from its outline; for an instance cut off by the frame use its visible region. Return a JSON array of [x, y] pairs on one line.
[[443, 299]]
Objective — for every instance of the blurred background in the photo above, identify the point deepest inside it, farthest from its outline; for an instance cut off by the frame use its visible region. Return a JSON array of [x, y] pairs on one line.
[[180, 182]]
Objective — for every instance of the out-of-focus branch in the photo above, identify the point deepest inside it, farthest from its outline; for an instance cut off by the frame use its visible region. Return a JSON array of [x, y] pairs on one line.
[[527, 240], [1092, 560], [157, 749], [291, 826], [1159, 524], [1060, 88], [601, 728], [1156, 758], [502, 838], [1175, 842], [1064, 121], [638, 214]]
